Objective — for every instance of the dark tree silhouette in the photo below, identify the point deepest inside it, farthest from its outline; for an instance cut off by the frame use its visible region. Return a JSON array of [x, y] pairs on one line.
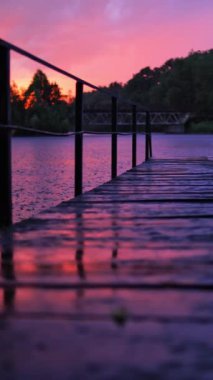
[[41, 92], [180, 84]]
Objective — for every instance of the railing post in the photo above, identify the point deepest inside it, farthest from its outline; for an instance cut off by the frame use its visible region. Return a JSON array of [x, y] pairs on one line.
[[114, 138], [5, 140], [134, 135], [150, 139], [147, 126], [78, 139]]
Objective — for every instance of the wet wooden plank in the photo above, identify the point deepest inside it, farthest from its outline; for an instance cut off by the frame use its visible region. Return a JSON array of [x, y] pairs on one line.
[[119, 273], [128, 215]]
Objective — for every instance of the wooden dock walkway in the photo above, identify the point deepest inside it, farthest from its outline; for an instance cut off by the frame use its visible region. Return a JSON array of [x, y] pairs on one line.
[[116, 283]]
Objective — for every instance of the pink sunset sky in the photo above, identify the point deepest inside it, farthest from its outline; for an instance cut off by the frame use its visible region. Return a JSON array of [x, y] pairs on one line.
[[103, 41]]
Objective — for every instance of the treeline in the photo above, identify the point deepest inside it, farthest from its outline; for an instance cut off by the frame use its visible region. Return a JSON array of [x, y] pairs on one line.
[[180, 84], [41, 106]]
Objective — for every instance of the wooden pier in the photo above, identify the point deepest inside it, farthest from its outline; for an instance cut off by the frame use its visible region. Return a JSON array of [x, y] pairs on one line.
[[116, 283]]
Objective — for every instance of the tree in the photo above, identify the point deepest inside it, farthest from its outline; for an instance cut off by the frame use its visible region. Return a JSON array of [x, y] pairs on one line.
[[44, 105], [180, 84], [17, 105], [41, 92]]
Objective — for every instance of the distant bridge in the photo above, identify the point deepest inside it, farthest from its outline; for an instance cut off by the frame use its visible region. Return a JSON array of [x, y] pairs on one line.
[[124, 118]]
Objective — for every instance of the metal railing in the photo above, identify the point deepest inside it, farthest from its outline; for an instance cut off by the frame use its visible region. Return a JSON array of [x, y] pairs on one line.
[[6, 127]]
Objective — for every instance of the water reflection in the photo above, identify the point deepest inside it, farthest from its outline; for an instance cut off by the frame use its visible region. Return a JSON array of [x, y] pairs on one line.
[[79, 255], [47, 165], [92, 255], [114, 218], [114, 263], [80, 264], [8, 271]]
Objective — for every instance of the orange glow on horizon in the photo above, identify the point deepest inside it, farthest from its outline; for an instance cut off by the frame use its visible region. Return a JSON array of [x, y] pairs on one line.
[[104, 41]]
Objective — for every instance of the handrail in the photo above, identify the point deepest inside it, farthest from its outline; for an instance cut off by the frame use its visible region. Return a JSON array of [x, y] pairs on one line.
[[33, 130], [45, 63], [6, 127], [49, 65], [65, 134]]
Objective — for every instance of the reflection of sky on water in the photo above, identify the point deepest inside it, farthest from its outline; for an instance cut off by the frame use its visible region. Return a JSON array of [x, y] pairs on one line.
[[43, 167], [44, 170], [54, 282]]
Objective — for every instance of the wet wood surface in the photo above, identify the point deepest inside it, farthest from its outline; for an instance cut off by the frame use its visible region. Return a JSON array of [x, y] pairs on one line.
[[116, 283]]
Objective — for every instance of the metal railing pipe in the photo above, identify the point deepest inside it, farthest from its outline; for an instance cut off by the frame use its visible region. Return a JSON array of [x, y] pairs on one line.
[[114, 138], [78, 139], [5, 140], [45, 63], [6, 128]]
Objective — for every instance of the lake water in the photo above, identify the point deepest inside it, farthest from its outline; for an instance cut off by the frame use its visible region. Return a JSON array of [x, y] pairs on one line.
[[43, 167]]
